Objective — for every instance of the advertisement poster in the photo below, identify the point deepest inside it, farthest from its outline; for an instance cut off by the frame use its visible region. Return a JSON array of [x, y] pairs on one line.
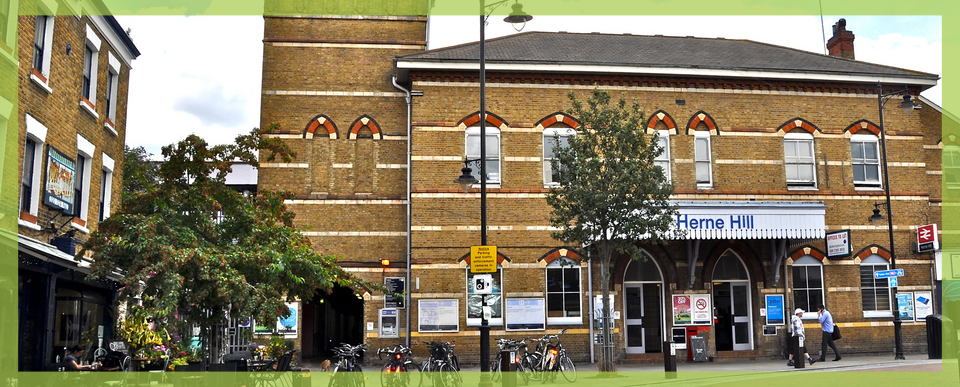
[[905, 303], [58, 192], [923, 303], [681, 310], [838, 244], [775, 314], [692, 309], [288, 326], [526, 314]]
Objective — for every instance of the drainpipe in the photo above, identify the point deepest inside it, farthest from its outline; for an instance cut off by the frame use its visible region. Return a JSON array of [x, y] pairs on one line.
[[590, 299], [406, 296]]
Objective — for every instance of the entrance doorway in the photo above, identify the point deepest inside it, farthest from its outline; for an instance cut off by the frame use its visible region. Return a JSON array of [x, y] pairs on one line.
[[331, 319], [643, 301], [731, 298]]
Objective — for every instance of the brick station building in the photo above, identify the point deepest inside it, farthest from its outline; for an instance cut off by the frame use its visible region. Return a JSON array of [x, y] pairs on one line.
[[769, 149]]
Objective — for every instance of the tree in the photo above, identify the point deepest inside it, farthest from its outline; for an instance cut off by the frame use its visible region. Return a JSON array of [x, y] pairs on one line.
[[194, 250], [611, 196], [140, 173]]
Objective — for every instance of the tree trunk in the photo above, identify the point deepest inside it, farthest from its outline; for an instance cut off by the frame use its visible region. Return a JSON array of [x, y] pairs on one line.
[[607, 353]]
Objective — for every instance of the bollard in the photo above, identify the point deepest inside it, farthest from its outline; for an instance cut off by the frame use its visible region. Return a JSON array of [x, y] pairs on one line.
[[670, 360], [508, 368], [799, 361]]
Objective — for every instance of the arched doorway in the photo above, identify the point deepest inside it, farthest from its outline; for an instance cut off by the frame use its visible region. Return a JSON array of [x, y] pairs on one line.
[[731, 299], [331, 319], [643, 301]]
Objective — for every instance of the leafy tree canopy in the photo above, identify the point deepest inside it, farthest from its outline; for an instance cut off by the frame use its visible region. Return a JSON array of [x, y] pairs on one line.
[[193, 248]]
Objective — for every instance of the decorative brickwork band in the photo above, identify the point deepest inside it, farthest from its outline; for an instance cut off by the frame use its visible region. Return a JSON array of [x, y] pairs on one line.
[[474, 118], [807, 250], [871, 250], [321, 120], [704, 118], [365, 121], [661, 116], [560, 252], [798, 122], [557, 118], [858, 126]]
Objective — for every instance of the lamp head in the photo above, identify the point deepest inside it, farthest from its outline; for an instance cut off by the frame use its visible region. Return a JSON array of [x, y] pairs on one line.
[[876, 217], [908, 105], [517, 17], [466, 179]]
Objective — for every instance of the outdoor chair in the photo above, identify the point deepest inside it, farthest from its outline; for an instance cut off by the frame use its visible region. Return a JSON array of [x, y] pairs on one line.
[[273, 377]]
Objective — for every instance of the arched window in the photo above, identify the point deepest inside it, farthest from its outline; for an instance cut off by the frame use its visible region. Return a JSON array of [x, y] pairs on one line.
[[798, 157], [663, 160], [865, 160], [951, 166], [702, 159], [553, 138], [492, 158], [875, 292], [807, 284], [564, 299]]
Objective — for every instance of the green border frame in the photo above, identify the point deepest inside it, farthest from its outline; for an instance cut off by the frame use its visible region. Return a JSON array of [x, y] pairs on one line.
[[951, 217]]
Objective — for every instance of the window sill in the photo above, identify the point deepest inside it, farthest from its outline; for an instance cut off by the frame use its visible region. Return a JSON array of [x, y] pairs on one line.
[[108, 125], [864, 188], [41, 82], [32, 226], [878, 314], [80, 228], [801, 188], [704, 186], [88, 107], [564, 320]]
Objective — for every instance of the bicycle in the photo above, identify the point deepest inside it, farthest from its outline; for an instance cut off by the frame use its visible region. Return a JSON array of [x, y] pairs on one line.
[[347, 372], [555, 359], [397, 371], [443, 364], [520, 347]]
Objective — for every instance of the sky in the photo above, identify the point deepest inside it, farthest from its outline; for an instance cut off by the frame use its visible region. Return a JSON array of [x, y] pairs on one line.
[[201, 74]]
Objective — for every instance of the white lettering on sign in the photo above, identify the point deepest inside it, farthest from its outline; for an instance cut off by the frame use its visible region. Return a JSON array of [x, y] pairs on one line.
[[733, 222]]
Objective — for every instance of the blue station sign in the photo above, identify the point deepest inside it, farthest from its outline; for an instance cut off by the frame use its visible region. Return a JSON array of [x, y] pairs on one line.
[[888, 273]]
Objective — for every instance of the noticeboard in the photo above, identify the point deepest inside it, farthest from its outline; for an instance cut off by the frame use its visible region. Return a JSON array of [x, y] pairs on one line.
[[394, 285], [526, 314], [905, 306], [438, 315], [692, 309], [775, 310]]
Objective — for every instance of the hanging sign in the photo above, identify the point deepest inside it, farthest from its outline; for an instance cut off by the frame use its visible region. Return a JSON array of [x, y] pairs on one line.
[[927, 239], [61, 171]]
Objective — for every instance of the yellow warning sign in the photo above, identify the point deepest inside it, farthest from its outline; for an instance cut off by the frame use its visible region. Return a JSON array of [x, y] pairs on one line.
[[483, 259]]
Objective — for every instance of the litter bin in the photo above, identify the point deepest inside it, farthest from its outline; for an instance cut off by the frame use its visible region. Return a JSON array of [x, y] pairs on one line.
[[301, 377], [935, 336], [698, 346]]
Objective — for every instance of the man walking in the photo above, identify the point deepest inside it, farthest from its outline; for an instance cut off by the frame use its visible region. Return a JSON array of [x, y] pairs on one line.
[[826, 325], [798, 332]]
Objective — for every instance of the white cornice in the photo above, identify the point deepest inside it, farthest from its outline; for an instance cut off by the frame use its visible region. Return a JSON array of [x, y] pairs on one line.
[[111, 37]]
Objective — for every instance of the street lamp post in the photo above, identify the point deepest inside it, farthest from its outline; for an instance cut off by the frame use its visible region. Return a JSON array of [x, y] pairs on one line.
[[907, 105]]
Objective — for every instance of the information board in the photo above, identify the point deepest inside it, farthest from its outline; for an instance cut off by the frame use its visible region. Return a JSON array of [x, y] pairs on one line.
[[483, 259], [394, 285], [526, 314], [438, 315], [905, 303], [692, 309], [775, 312], [923, 303]]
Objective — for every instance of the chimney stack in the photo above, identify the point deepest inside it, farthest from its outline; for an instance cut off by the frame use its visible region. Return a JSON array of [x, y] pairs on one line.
[[841, 44]]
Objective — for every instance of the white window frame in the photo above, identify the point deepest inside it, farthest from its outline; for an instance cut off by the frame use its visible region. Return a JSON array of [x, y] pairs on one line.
[[86, 150], [93, 43], [113, 81], [474, 131], [548, 136], [798, 140], [865, 139], [106, 186], [702, 137], [951, 166], [663, 136], [46, 54], [38, 133], [807, 262], [876, 261], [498, 288], [561, 264]]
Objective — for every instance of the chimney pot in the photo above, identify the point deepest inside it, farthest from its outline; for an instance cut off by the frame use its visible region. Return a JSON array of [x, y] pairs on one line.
[[841, 44]]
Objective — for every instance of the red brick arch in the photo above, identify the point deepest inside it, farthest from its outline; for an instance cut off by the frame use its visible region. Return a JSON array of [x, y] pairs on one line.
[[559, 252], [807, 250], [555, 118], [321, 120], [706, 119], [661, 116], [474, 118], [861, 125], [871, 250], [365, 121], [798, 122]]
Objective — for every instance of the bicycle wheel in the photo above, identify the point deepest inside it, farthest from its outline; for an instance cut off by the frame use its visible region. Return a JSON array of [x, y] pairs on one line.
[[568, 369], [522, 373], [333, 376], [448, 377], [530, 364], [358, 379], [495, 369], [388, 375], [411, 375]]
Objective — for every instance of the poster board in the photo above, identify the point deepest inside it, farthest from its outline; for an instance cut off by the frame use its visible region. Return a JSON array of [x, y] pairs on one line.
[[905, 303], [923, 303], [692, 309], [58, 187], [394, 285], [288, 326], [775, 310], [838, 244], [526, 314], [438, 315]]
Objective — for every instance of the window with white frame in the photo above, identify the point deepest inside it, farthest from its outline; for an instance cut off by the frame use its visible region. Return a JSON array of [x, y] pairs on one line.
[[113, 80], [91, 56], [32, 159], [663, 160], [798, 157], [81, 179], [494, 300], [42, 49], [865, 160], [701, 145], [951, 166], [807, 283], [875, 293], [553, 138], [492, 158], [564, 298], [106, 186]]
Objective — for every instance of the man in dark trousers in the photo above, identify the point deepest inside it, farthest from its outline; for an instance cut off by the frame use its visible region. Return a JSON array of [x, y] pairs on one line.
[[826, 325]]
